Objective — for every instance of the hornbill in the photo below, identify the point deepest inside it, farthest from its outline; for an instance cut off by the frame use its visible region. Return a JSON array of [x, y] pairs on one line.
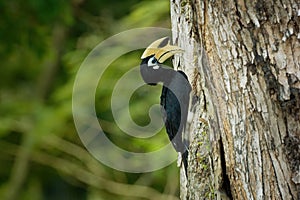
[[175, 94]]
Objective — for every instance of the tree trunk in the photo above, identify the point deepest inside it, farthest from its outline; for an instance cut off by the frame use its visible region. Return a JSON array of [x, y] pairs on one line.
[[242, 59]]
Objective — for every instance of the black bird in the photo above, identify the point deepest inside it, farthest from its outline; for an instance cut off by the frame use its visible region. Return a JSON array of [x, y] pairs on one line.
[[175, 94]]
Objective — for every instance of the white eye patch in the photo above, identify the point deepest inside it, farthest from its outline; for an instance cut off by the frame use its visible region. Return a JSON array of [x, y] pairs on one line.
[[152, 62]]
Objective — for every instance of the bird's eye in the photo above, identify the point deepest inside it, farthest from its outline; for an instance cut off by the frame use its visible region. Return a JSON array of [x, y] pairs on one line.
[[152, 62]]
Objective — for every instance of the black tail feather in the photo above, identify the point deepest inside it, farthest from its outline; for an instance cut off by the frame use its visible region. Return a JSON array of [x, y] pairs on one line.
[[185, 161]]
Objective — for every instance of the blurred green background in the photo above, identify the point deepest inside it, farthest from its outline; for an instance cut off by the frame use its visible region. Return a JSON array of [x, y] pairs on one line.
[[42, 46]]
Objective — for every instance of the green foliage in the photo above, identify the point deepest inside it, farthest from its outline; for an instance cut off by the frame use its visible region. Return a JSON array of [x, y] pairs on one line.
[[43, 43], [148, 13]]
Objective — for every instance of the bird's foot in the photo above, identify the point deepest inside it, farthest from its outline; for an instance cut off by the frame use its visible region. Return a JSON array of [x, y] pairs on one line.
[[179, 159]]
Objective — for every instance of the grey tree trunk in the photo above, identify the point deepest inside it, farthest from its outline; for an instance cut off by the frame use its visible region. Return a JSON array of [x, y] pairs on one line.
[[242, 59]]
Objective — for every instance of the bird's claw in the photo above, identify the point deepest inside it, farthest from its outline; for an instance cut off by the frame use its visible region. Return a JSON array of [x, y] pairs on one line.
[[179, 160]]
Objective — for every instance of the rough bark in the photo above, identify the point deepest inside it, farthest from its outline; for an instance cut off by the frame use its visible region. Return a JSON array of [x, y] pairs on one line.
[[242, 58]]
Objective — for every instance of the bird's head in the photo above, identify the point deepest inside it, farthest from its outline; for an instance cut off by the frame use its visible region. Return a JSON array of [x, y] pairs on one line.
[[155, 54]]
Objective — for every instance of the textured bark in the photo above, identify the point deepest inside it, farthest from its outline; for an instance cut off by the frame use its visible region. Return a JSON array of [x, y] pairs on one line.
[[242, 59]]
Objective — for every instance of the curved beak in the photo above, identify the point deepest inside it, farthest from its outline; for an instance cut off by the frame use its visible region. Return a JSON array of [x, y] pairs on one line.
[[161, 49]]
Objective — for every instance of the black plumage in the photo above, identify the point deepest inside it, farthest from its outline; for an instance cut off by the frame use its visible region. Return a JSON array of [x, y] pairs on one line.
[[174, 100]]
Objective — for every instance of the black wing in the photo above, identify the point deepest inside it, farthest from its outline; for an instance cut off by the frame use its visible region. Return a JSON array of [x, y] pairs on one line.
[[175, 102]]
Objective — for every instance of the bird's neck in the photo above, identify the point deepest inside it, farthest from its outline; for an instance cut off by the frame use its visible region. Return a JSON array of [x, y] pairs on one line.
[[167, 75]]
